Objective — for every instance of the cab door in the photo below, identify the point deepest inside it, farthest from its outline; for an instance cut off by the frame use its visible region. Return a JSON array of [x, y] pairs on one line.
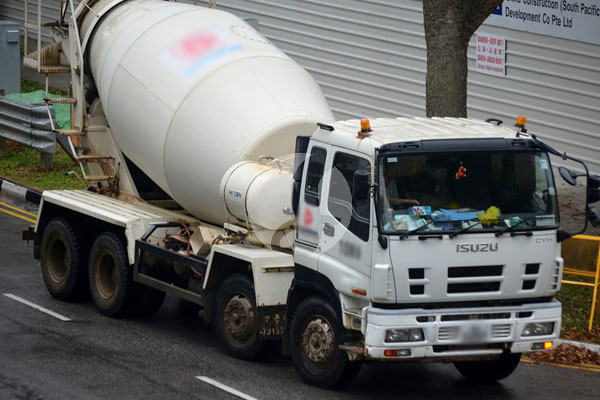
[[346, 222], [309, 218]]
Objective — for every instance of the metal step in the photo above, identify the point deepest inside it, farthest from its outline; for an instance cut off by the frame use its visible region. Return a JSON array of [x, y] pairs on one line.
[[30, 60], [99, 177], [70, 132], [55, 69], [92, 157], [60, 100]]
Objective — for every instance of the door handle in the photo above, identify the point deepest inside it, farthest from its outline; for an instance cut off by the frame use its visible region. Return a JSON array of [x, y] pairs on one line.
[[328, 229]]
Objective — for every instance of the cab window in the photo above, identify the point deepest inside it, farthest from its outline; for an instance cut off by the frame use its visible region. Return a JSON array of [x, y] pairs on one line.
[[314, 176], [353, 214]]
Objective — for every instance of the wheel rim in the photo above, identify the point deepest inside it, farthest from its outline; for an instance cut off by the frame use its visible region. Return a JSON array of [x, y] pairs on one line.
[[239, 318], [318, 341], [106, 275], [58, 260]]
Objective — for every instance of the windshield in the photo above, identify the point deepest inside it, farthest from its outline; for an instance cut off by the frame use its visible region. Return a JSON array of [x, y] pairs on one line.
[[465, 192]]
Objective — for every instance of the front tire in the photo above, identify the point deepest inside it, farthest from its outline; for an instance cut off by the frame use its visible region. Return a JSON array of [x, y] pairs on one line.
[[63, 257], [316, 334], [109, 275], [489, 371], [236, 319]]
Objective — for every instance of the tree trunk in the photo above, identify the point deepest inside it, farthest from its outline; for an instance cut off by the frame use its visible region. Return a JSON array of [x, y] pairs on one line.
[[449, 25]]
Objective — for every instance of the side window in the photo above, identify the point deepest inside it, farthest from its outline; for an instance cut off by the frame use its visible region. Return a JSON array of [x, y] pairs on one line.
[[352, 213], [314, 175]]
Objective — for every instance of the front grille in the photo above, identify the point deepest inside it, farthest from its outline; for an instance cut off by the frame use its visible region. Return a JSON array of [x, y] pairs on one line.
[[448, 333], [470, 317], [556, 272], [416, 273], [468, 272], [474, 279], [467, 347], [417, 289], [532, 269], [474, 287], [501, 331], [528, 285], [416, 281]]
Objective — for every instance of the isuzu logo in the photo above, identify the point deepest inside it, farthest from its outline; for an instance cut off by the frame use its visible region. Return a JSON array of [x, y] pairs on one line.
[[476, 247]]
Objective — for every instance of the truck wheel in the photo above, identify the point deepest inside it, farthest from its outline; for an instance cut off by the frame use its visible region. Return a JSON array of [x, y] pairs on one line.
[[63, 257], [109, 275], [316, 334], [489, 371], [236, 319]]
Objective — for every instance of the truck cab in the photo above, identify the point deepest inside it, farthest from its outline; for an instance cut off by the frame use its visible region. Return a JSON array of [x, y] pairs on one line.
[[449, 253]]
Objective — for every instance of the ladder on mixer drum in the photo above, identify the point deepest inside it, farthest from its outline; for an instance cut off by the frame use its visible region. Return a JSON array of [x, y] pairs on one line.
[[51, 59]]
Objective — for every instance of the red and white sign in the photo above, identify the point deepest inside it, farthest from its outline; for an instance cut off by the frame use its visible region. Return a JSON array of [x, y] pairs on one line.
[[491, 54]]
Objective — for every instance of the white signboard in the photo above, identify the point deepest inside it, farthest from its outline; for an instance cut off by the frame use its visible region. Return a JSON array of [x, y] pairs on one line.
[[568, 19], [491, 54]]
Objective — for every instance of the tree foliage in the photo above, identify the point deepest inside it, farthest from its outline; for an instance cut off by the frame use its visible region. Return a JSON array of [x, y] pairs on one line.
[[449, 25]]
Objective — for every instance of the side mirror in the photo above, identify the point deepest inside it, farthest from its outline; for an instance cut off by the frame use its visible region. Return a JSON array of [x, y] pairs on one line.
[[569, 176], [360, 185], [593, 215], [593, 188]]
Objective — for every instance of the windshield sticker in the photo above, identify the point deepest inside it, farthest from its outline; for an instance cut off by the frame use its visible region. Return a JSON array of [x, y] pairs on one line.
[[544, 164], [419, 210], [462, 172], [545, 220], [392, 159]]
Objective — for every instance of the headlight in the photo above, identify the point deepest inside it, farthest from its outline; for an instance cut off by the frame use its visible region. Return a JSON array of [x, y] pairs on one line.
[[404, 335], [538, 329]]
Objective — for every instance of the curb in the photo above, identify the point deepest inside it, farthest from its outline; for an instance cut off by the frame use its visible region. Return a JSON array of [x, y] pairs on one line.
[[19, 192], [590, 346]]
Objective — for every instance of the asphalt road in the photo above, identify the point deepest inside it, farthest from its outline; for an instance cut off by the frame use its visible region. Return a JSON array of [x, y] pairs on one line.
[[160, 357]]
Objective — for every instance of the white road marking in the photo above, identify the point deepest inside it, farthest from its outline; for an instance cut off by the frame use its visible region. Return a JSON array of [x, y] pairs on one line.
[[225, 388], [39, 308]]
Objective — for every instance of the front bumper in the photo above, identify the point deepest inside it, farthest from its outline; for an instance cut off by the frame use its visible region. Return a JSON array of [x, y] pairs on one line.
[[458, 333]]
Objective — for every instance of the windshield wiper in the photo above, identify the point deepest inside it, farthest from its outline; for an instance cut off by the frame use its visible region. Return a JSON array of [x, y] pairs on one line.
[[513, 227], [405, 235], [463, 230]]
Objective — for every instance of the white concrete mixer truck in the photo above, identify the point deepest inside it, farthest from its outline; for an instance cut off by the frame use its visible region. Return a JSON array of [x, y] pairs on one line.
[[217, 174]]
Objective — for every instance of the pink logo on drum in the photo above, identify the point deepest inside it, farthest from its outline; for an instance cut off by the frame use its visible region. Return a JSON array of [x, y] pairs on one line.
[[195, 52]]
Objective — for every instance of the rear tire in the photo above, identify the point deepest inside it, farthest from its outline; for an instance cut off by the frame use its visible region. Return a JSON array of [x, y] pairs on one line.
[[236, 319], [110, 276], [489, 371], [316, 334], [63, 257]]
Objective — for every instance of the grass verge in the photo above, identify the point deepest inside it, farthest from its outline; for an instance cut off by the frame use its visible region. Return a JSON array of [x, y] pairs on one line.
[[28, 85], [577, 303], [22, 165]]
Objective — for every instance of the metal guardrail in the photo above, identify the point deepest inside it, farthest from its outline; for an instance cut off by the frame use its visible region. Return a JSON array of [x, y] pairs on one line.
[[29, 125], [584, 262]]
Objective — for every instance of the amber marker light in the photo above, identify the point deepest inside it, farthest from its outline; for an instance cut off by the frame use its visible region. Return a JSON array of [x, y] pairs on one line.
[[361, 292], [365, 125], [389, 353], [547, 345]]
